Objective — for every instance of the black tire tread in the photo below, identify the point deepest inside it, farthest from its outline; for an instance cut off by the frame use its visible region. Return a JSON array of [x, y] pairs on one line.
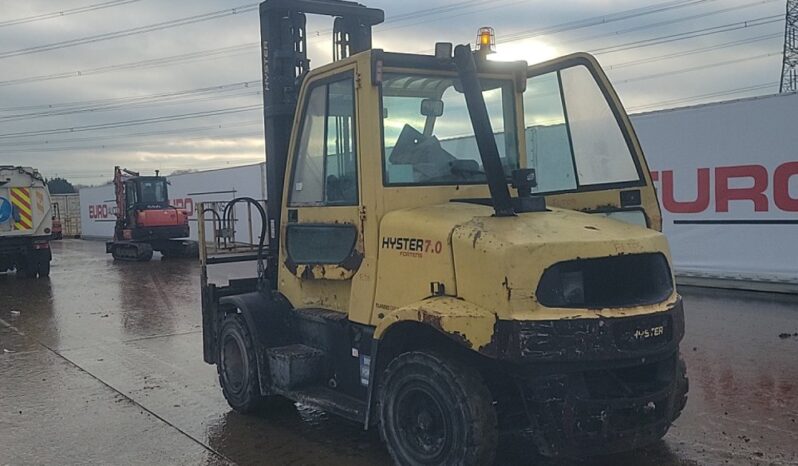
[[255, 400], [478, 403], [43, 266], [682, 380]]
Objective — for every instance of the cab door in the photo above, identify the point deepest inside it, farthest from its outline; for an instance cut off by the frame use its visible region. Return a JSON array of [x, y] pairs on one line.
[[322, 247], [579, 140], [131, 199]]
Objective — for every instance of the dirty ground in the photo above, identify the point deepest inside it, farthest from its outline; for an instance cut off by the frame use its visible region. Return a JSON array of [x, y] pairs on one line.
[[102, 364]]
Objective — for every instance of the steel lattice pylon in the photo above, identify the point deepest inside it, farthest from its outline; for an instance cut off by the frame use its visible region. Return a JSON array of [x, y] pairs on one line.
[[789, 69]]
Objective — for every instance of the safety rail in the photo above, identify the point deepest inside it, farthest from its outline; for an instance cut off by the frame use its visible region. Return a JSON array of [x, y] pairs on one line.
[[231, 239]]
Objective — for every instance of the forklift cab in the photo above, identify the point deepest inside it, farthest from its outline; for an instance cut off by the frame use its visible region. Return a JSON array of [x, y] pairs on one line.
[[560, 119]]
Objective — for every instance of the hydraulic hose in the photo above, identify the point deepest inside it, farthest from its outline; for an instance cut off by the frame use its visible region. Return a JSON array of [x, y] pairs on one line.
[[227, 219]]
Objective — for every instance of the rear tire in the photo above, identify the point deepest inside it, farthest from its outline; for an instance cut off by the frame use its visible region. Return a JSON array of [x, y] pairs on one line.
[[435, 409], [43, 265], [237, 366]]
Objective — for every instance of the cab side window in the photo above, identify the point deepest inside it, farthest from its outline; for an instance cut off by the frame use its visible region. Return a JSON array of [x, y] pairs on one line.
[[325, 166]]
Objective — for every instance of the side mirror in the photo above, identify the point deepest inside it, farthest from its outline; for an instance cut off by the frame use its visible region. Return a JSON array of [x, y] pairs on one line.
[[432, 107]]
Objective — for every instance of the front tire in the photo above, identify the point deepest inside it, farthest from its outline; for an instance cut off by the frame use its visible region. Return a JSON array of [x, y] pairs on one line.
[[436, 410], [682, 387], [237, 366]]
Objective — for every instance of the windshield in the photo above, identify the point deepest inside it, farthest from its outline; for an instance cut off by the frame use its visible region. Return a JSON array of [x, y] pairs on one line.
[[572, 137], [153, 192], [428, 135]]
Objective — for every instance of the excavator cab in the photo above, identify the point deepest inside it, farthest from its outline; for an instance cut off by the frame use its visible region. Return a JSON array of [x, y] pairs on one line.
[[144, 193], [452, 247]]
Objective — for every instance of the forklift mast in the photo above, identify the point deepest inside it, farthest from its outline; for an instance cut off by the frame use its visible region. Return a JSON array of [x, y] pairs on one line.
[[284, 65]]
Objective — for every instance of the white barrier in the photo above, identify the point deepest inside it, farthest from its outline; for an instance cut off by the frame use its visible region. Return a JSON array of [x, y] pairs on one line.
[[97, 204]]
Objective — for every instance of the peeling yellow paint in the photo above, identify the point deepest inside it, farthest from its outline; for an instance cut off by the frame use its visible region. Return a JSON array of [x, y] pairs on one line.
[[458, 319]]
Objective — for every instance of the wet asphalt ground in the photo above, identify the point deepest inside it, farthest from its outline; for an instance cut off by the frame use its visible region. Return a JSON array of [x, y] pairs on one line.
[[102, 364]]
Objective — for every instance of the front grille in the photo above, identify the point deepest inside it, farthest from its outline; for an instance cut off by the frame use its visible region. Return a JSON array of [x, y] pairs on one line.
[[607, 282], [600, 338]]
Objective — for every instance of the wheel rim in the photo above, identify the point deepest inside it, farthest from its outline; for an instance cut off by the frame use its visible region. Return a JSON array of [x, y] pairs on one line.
[[423, 427], [233, 363]]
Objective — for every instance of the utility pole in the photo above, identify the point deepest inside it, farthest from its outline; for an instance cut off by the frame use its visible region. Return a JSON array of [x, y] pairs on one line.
[[789, 68]]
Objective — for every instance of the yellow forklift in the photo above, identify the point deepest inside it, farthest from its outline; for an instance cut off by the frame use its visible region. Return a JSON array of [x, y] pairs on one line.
[[452, 248]]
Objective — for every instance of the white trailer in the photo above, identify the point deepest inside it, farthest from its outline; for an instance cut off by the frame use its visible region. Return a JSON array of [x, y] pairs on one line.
[[727, 177]]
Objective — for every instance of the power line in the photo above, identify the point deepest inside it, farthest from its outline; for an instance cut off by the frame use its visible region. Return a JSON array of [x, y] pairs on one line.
[[694, 98], [199, 18], [61, 13], [115, 103], [201, 114], [687, 35], [205, 54], [142, 121], [258, 106], [678, 20], [116, 137], [133, 145], [604, 19], [695, 68], [684, 53], [184, 96], [147, 104], [113, 100], [627, 14], [137, 143], [143, 64], [132, 31]]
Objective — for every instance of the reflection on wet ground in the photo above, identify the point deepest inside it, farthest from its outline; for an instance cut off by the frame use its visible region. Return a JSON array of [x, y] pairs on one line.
[[102, 363]]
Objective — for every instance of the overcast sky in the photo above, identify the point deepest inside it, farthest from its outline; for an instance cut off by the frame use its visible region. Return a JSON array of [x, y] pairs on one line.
[[52, 100]]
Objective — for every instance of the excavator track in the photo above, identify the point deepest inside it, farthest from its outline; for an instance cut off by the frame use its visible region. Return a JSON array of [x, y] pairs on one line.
[[131, 252]]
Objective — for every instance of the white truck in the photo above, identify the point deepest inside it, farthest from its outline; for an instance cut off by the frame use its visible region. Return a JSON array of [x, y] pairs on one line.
[[26, 222]]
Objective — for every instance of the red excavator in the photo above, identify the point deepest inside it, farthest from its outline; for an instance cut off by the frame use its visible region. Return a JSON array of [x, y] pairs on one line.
[[145, 222]]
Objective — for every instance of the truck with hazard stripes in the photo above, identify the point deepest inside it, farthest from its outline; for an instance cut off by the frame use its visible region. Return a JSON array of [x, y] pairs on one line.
[[26, 222]]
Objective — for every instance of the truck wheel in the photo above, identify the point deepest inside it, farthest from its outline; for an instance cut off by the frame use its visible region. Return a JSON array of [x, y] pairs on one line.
[[237, 366], [43, 265], [436, 410], [26, 267]]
